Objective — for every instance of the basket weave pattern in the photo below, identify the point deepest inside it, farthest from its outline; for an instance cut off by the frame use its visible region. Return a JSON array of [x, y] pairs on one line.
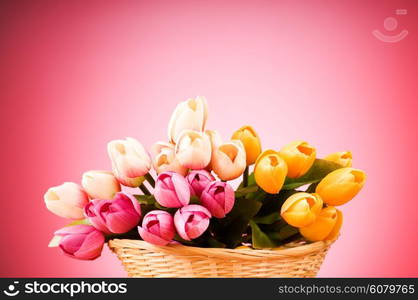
[[141, 259]]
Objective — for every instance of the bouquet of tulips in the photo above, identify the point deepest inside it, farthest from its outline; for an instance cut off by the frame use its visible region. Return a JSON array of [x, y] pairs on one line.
[[188, 197]]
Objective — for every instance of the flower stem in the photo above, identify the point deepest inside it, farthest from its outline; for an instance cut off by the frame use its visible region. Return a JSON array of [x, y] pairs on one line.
[[245, 179], [144, 189], [150, 179]]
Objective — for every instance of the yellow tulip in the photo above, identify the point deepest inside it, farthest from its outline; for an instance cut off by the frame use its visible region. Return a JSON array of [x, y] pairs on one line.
[[343, 158], [341, 185], [301, 209], [326, 227], [270, 171], [249, 137], [299, 157]]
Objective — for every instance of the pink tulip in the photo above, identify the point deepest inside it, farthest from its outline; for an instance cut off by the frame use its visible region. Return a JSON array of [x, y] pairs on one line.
[[130, 161], [218, 197], [188, 115], [114, 216], [81, 241], [172, 190], [198, 180], [191, 221], [157, 228], [66, 200]]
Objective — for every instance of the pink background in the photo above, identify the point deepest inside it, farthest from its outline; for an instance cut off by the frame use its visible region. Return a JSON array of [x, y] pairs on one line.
[[75, 75]]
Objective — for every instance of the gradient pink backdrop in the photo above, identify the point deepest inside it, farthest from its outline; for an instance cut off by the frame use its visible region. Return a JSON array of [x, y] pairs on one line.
[[77, 74]]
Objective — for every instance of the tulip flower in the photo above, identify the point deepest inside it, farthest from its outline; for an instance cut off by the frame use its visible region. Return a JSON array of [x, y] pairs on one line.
[[215, 141], [165, 160], [66, 200], [172, 190], [301, 209], [326, 226], [341, 185], [343, 158], [193, 149], [218, 197], [130, 161], [100, 184], [81, 241], [229, 160], [198, 181], [191, 221], [299, 157], [114, 216], [188, 115], [157, 228], [249, 137], [270, 171]]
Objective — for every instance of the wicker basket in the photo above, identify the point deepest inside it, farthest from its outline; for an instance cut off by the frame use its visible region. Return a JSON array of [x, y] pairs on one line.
[[296, 259]]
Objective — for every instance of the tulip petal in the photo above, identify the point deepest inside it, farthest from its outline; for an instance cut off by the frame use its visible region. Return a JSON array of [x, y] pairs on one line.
[[180, 223], [197, 229], [76, 229], [152, 238], [91, 247], [181, 188]]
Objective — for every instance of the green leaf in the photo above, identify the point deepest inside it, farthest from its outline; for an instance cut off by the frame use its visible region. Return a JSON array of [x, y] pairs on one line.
[[319, 170], [146, 199], [268, 219], [312, 187], [242, 191], [260, 239], [230, 229], [284, 233], [251, 179], [78, 222], [273, 202], [194, 200]]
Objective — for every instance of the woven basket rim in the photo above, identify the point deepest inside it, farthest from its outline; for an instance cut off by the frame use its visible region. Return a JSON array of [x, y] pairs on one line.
[[294, 250]]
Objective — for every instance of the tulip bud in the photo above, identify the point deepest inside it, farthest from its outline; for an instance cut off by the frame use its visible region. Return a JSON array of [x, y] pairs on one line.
[[193, 149], [191, 221], [81, 241], [249, 137], [301, 209], [343, 158], [270, 171], [218, 197], [215, 141], [198, 181], [299, 157], [157, 228], [326, 226], [100, 184], [188, 115], [229, 160], [172, 190], [165, 160], [114, 216], [341, 185], [130, 161], [66, 200]]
